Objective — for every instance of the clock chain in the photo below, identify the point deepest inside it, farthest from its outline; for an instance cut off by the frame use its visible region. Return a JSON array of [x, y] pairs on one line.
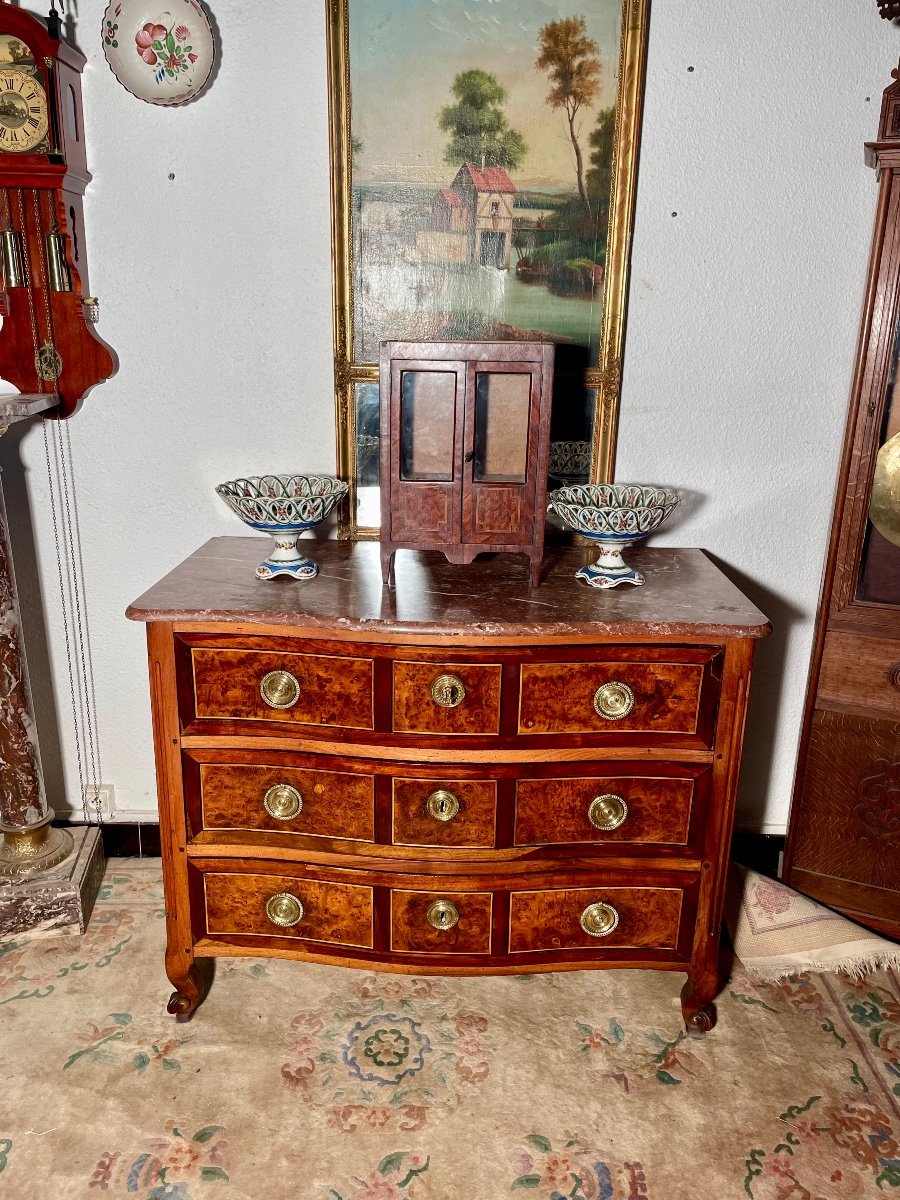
[[70, 566]]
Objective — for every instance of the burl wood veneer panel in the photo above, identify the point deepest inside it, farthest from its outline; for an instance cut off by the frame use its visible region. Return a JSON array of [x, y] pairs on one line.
[[847, 819], [334, 804], [332, 912], [411, 933], [474, 825], [559, 697], [415, 711], [551, 919], [556, 810], [334, 692]]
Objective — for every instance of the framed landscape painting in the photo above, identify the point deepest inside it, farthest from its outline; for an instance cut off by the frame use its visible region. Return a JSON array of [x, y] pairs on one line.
[[484, 158]]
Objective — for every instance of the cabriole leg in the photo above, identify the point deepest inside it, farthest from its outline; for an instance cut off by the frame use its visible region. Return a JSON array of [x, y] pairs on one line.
[[697, 1006]]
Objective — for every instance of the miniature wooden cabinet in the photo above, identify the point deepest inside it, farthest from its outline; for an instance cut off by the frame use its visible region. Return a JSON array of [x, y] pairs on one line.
[[459, 775], [465, 440]]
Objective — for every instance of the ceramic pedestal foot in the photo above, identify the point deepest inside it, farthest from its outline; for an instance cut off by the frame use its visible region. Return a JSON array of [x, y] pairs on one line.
[[600, 577], [303, 568]]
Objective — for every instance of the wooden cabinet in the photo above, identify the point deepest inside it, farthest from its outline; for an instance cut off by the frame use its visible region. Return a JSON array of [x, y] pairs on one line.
[[843, 843], [464, 447], [442, 777]]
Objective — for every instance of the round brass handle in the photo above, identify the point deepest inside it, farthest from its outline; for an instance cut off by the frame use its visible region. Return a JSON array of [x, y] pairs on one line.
[[607, 812], [442, 914], [282, 801], [613, 700], [442, 805], [599, 919], [448, 691], [279, 689], [284, 909]]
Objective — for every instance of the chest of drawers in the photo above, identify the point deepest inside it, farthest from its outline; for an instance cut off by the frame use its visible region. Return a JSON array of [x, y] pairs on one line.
[[455, 775]]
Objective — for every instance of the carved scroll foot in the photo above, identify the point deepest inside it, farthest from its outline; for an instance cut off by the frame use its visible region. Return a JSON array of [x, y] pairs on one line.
[[185, 1000], [697, 1007]]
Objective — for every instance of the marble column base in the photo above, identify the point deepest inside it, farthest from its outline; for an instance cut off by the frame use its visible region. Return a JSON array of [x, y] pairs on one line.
[[59, 900]]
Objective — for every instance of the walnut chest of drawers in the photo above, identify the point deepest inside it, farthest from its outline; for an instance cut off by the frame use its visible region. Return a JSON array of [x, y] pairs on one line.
[[456, 774]]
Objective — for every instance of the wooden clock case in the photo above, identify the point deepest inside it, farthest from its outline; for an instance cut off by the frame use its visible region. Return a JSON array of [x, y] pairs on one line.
[[843, 843]]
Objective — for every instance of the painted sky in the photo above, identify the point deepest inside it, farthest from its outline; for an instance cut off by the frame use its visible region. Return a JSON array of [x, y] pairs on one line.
[[404, 55]]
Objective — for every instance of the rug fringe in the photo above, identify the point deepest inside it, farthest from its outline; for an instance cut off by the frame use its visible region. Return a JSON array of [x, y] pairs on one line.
[[854, 966]]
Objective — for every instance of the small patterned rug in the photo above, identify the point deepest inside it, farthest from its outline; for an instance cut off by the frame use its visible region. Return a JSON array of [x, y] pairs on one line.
[[298, 1082]]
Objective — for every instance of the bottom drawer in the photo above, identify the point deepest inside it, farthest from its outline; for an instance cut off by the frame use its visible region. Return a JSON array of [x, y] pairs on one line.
[[595, 918], [441, 922], [289, 906]]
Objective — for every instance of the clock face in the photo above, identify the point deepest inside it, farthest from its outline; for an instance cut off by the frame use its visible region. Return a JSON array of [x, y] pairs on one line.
[[23, 111]]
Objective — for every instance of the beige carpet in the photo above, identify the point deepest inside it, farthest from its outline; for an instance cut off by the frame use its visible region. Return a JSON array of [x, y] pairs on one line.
[[300, 1082]]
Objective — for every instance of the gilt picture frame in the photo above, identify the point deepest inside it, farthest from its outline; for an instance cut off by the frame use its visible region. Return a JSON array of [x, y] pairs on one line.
[[484, 160]]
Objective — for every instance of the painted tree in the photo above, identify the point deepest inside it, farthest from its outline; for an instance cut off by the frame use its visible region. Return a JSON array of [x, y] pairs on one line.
[[570, 58], [479, 130], [599, 175]]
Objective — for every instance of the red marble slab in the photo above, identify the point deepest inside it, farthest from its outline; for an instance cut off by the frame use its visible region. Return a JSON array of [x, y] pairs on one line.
[[685, 594]]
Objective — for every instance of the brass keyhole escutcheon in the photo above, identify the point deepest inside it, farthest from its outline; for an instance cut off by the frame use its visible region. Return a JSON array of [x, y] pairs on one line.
[[442, 914], [448, 691], [442, 805], [607, 812], [279, 689], [282, 802], [599, 919], [613, 700], [284, 909]]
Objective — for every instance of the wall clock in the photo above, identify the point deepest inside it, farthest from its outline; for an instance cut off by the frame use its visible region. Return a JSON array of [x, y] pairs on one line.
[[48, 346]]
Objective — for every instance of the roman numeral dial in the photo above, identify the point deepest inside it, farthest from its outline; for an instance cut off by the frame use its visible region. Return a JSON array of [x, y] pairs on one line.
[[23, 111]]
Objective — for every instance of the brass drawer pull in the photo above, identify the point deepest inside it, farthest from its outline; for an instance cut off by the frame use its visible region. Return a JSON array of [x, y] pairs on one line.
[[279, 689], [448, 691], [282, 802], [607, 812], [442, 914], [613, 700], [599, 919], [284, 909], [442, 805]]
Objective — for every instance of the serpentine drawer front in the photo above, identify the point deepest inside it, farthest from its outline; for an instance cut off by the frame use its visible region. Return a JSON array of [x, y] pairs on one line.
[[459, 774]]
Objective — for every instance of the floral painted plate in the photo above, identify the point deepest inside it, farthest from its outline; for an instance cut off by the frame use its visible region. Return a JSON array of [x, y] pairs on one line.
[[161, 55]]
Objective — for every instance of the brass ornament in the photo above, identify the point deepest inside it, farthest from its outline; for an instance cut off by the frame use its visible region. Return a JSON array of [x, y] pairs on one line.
[[607, 812], [599, 919], [442, 805], [284, 910], [442, 914], [279, 689], [884, 507], [613, 700], [48, 363], [448, 691], [282, 802]]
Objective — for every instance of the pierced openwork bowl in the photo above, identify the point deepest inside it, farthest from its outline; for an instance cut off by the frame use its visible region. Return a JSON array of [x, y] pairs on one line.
[[616, 515], [569, 462], [283, 506]]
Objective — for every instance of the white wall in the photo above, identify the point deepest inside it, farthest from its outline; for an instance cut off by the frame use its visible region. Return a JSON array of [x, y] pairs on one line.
[[215, 291]]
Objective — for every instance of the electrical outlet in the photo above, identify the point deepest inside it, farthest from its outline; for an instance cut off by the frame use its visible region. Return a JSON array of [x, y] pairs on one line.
[[101, 800]]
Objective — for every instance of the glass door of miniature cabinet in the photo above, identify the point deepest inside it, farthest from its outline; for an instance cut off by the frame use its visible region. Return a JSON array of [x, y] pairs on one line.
[[427, 419], [502, 421]]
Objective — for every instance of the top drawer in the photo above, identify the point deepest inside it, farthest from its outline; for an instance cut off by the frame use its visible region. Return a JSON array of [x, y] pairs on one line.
[[302, 689], [618, 696]]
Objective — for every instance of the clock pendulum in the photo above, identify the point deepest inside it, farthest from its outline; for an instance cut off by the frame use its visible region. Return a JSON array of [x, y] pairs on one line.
[[50, 352]]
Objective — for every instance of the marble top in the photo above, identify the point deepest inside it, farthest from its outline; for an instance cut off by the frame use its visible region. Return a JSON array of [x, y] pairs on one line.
[[684, 595]]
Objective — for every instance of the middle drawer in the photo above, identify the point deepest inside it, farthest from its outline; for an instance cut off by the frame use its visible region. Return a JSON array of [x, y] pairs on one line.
[[426, 809]]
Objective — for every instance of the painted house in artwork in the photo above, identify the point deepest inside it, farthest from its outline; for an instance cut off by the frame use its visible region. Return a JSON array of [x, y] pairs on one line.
[[472, 219]]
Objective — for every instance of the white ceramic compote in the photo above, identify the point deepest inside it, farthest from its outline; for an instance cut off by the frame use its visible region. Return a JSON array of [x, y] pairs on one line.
[[283, 506], [616, 515]]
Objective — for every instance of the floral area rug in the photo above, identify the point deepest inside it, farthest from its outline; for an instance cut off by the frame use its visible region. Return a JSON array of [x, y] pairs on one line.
[[298, 1082]]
